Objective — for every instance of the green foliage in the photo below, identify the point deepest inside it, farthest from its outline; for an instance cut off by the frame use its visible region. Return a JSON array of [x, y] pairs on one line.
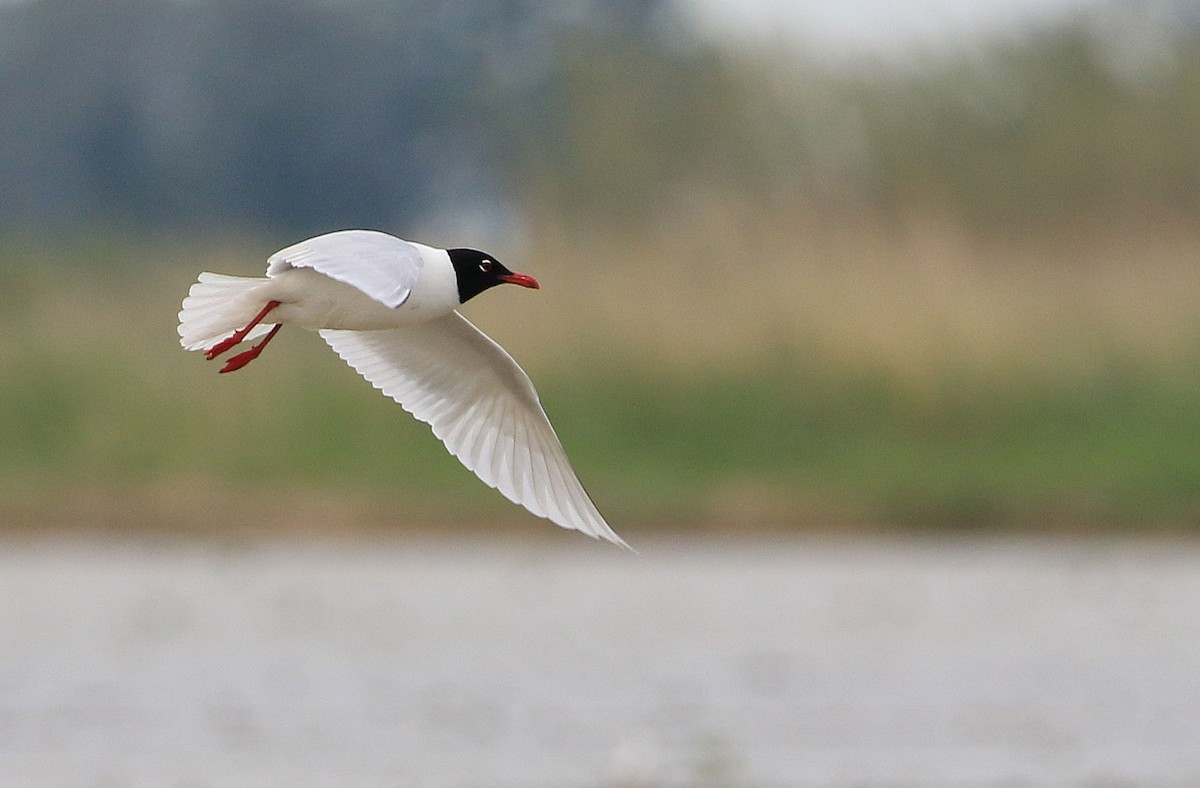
[[1041, 129], [1113, 449], [1066, 123]]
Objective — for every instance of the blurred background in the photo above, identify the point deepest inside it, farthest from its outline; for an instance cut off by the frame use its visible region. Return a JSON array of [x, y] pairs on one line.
[[904, 272], [805, 269]]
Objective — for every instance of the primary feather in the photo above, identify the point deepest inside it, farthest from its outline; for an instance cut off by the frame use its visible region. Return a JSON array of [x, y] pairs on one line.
[[482, 406]]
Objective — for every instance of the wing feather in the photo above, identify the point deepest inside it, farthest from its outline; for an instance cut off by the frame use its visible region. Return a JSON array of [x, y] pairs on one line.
[[382, 266], [482, 406]]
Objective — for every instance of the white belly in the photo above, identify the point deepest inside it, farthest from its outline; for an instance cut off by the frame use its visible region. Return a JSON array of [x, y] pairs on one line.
[[312, 300]]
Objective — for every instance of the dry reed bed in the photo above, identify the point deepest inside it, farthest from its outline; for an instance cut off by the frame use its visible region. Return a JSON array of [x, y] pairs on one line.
[[917, 296]]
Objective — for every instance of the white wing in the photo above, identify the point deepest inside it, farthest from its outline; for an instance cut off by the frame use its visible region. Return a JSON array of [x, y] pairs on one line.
[[382, 266], [483, 406]]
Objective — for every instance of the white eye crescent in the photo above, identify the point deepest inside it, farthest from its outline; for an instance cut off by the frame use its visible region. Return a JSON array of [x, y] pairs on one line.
[[485, 266]]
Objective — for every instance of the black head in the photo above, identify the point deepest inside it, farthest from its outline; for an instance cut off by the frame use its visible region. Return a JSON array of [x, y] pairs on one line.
[[477, 271]]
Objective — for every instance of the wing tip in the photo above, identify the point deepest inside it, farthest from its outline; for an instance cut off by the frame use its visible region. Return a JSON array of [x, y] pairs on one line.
[[569, 507], [612, 537]]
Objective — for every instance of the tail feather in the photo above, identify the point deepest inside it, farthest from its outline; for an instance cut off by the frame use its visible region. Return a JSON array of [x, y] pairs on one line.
[[218, 305]]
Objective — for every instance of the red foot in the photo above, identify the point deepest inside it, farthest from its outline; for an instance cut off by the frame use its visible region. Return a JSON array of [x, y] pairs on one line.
[[246, 356], [239, 335]]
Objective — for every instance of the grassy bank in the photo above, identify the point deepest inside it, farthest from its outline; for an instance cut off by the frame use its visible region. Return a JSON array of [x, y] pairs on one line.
[[878, 378]]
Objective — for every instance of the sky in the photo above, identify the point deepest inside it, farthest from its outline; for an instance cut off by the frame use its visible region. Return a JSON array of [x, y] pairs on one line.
[[882, 27]]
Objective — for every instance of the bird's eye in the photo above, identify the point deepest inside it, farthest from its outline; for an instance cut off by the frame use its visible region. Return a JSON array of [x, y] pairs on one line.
[[485, 266]]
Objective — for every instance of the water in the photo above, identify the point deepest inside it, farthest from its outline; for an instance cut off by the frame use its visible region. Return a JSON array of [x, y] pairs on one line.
[[416, 662]]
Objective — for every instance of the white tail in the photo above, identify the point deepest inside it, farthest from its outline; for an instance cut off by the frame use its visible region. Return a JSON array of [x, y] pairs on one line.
[[218, 305]]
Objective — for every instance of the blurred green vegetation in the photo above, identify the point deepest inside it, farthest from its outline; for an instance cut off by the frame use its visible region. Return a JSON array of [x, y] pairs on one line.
[[1075, 121], [1090, 119]]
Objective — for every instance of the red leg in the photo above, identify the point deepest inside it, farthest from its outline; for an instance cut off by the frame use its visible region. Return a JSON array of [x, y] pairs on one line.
[[246, 356], [240, 334]]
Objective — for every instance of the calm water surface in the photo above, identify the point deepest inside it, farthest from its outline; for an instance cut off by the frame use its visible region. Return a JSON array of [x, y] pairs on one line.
[[415, 662]]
